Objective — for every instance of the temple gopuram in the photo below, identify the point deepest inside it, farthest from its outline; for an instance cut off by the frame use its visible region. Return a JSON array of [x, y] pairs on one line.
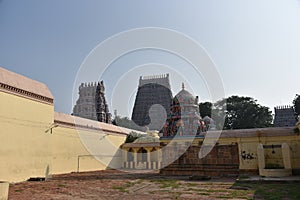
[[184, 118], [154, 92], [91, 103]]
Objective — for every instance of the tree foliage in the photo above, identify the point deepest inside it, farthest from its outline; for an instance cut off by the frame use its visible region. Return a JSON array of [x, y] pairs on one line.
[[243, 113], [132, 137], [205, 109], [127, 123], [296, 103]]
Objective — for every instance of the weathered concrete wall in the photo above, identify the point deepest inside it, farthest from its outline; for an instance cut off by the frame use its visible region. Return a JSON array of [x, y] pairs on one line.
[[222, 160]]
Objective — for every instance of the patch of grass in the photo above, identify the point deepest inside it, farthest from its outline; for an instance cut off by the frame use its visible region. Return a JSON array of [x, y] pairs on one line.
[[217, 190], [272, 191], [193, 189], [203, 193], [164, 183], [120, 188], [241, 194], [129, 184], [192, 184], [233, 197], [243, 176], [139, 181], [125, 187], [61, 185], [177, 195], [162, 191]]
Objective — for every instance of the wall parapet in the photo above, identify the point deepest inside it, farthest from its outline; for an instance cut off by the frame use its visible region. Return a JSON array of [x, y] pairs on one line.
[[257, 132], [82, 123]]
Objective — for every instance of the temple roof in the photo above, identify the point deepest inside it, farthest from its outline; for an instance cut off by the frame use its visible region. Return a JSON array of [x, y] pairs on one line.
[[15, 83], [184, 96], [162, 80], [78, 122]]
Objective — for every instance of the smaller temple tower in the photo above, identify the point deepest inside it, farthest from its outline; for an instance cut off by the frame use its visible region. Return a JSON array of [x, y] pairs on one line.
[[284, 116], [184, 118], [91, 103]]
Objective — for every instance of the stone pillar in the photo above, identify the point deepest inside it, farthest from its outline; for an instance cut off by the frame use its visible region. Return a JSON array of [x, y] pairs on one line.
[[125, 157], [148, 164], [4, 186], [286, 155], [159, 158], [261, 158], [135, 158], [154, 163]]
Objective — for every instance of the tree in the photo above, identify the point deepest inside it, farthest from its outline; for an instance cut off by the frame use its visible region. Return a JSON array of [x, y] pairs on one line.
[[296, 103], [127, 123], [243, 113], [132, 137], [205, 109]]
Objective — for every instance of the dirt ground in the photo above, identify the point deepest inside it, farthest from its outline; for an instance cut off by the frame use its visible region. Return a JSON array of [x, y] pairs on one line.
[[112, 184]]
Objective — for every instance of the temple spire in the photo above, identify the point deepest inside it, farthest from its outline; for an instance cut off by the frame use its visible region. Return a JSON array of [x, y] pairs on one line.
[[182, 85]]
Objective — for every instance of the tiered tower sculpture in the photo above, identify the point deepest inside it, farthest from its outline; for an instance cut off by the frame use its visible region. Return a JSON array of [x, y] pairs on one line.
[[91, 103], [184, 118], [284, 116]]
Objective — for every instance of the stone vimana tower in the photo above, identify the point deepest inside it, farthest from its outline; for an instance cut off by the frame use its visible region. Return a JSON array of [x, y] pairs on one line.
[[152, 90], [184, 117], [91, 103], [284, 116]]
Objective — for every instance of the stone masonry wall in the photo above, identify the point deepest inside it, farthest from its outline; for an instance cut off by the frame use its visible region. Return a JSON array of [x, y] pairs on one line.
[[223, 160]]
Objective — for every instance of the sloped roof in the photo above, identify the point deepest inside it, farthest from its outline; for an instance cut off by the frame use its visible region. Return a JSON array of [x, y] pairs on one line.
[[21, 84], [79, 122], [185, 95]]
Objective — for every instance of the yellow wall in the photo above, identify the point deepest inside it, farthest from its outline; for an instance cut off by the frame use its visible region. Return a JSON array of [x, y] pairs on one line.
[[27, 151], [24, 147], [67, 148], [248, 147]]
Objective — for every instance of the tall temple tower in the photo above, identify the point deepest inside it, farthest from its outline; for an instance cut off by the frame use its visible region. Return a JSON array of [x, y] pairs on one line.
[[91, 103], [151, 90], [284, 116]]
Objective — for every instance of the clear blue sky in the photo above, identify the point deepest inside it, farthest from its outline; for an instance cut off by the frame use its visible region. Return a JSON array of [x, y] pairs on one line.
[[255, 44]]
